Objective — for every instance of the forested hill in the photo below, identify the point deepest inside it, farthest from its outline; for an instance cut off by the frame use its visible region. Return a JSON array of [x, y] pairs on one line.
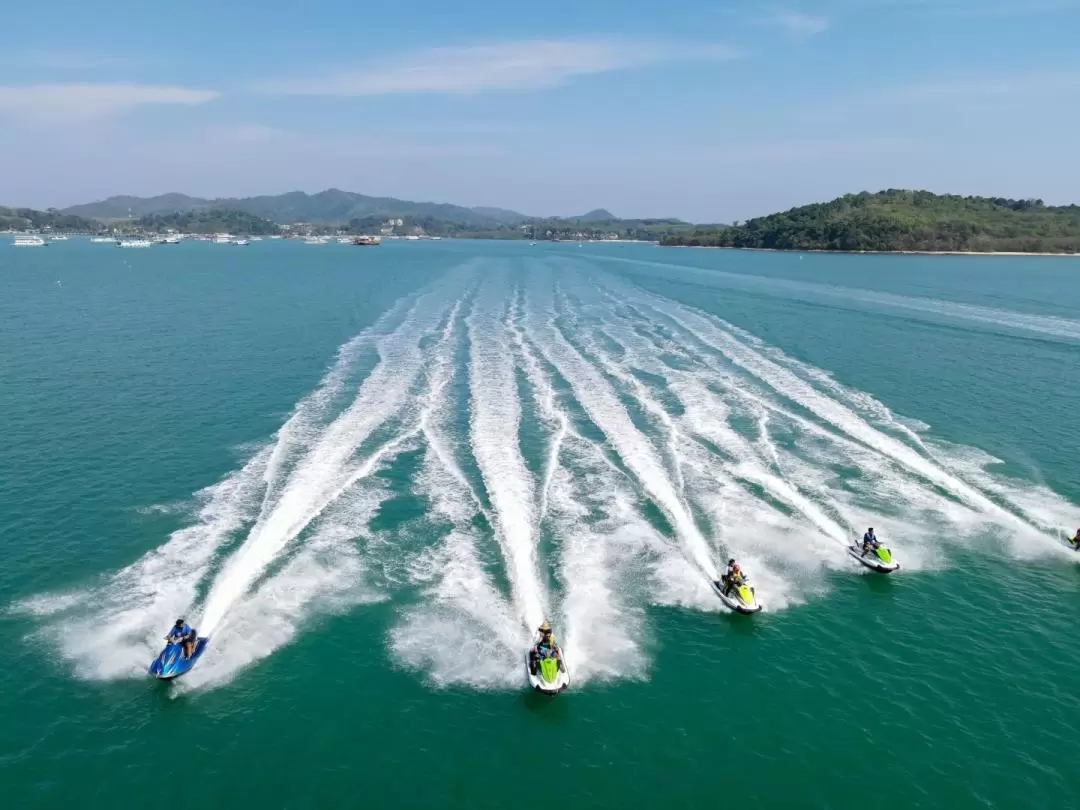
[[24, 219], [216, 220], [897, 220]]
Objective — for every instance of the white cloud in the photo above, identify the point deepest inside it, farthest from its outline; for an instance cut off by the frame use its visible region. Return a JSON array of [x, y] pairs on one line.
[[796, 22], [248, 133], [75, 102], [970, 8], [505, 66], [1000, 88]]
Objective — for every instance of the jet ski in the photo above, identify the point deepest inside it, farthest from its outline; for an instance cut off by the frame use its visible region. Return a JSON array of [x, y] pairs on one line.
[[551, 675], [880, 559], [742, 599], [172, 663]]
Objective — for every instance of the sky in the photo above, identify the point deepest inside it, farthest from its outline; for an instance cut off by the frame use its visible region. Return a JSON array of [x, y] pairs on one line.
[[708, 111]]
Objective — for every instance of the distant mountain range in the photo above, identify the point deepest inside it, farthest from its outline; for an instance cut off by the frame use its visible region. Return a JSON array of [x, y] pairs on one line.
[[330, 206]]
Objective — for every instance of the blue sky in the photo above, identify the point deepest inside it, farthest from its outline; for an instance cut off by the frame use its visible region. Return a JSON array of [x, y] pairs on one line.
[[710, 111]]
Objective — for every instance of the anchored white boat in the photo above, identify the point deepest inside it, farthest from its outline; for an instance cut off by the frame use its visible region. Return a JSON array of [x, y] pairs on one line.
[[240, 242], [135, 243], [104, 240], [58, 237], [223, 238], [28, 241]]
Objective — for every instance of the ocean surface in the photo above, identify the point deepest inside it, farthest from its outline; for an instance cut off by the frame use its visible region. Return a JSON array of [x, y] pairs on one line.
[[369, 474]]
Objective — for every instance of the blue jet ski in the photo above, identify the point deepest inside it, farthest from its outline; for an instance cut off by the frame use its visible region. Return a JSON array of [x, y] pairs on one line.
[[172, 664]]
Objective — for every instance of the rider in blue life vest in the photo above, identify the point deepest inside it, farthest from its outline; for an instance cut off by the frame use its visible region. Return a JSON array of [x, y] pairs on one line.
[[183, 633], [869, 541]]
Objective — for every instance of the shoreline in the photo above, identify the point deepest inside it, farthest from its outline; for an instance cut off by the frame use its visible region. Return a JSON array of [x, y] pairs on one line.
[[1012, 253]]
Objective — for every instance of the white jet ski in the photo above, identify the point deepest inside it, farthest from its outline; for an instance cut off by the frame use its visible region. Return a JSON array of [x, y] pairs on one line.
[[742, 599], [880, 559]]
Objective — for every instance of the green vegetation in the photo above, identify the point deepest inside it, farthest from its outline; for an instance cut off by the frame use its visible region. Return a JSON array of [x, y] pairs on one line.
[[536, 229], [648, 230], [332, 206], [27, 219], [215, 220], [897, 220]]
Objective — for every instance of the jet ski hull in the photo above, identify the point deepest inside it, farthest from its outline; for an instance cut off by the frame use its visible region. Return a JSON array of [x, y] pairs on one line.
[[171, 663], [734, 603], [873, 562], [562, 680]]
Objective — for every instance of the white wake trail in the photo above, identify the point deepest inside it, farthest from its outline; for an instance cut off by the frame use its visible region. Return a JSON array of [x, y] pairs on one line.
[[466, 631], [706, 414], [782, 379], [545, 397], [328, 468], [602, 541], [113, 630], [1048, 326], [604, 409], [494, 429], [746, 524]]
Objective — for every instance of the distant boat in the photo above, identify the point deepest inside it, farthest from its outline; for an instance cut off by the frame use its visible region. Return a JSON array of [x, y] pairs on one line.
[[172, 239], [135, 243], [366, 241], [104, 240], [58, 237], [28, 241], [240, 242], [223, 239], [255, 239]]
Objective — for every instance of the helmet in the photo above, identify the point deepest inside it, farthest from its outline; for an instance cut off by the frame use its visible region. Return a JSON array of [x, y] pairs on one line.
[[179, 622], [731, 561]]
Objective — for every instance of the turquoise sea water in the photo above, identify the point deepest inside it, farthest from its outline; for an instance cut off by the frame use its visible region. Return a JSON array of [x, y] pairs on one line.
[[369, 473]]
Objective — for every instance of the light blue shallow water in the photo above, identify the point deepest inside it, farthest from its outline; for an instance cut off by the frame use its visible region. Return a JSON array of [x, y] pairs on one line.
[[369, 472]]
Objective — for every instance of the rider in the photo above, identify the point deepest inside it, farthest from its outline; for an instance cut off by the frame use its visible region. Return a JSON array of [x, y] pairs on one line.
[[732, 576], [545, 648], [182, 633], [869, 541], [1076, 540]]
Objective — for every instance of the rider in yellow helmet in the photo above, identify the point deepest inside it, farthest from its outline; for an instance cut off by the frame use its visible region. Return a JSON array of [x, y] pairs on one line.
[[732, 576]]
